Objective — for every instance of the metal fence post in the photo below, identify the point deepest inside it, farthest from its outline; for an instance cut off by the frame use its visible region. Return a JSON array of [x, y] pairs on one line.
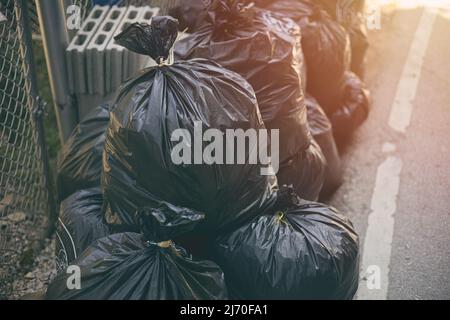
[[55, 39], [37, 111]]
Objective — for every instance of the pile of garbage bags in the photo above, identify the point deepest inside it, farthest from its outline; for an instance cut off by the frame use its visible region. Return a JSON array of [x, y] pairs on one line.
[[327, 47], [334, 44], [271, 48], [156, 205]]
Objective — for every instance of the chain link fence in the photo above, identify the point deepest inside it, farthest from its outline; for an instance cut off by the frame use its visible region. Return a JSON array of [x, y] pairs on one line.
[[26, 210], [34, 19]]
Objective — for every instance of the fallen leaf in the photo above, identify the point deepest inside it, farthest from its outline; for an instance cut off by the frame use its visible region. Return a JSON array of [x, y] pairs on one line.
[[17, 216], [29, 275]]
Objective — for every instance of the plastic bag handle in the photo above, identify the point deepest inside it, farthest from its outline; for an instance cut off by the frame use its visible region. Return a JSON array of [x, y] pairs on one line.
[[165, 221], [155, 40], [229, 14]]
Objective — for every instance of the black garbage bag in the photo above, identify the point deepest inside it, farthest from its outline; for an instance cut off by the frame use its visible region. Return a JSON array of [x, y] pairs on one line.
[[80, 223], [190, 13], [80, 162], [296, 251], [326, 48], [350, 14], [360, 44], [265, 48], [184, 98], [322, 132], [341, 9], [354, 109], [305, 172], [331, 7], [131, 266], [318, 122]]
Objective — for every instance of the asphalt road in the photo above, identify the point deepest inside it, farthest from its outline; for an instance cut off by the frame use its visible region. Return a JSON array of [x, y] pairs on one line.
[[397, 168]]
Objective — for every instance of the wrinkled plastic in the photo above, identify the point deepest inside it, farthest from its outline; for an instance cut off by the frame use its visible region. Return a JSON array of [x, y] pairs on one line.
[[79, 164], [359, 43], [330, 6], [190, 14], [339, 9], [354, 110], [155, 40], [350, 14], [131, 266], [125, 266], [322, 133], [138, 168], [326, 47], [80, 223], [167, 221], [318, 122], [300, 251], [265, 48], [305, 172]]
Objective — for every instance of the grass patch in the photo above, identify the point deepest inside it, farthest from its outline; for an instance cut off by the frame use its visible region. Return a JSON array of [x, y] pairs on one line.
[[44, 89]]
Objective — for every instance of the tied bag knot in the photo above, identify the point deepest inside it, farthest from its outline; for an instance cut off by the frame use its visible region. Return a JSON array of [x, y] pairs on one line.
[[164, 222], [155, 39], [286, 198], [229, 14]]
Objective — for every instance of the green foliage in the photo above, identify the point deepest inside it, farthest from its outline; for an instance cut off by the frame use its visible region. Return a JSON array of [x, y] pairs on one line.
[[44, 89]]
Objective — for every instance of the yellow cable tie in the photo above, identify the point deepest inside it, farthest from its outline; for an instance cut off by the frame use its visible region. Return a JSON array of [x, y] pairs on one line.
[[280, 217]]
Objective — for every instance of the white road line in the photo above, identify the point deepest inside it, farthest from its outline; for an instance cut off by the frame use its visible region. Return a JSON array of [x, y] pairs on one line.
[[389, 147], [380, 231], [402, 107]]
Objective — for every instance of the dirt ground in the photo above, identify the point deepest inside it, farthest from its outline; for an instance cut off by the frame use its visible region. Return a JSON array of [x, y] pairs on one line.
[[36, 280]]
